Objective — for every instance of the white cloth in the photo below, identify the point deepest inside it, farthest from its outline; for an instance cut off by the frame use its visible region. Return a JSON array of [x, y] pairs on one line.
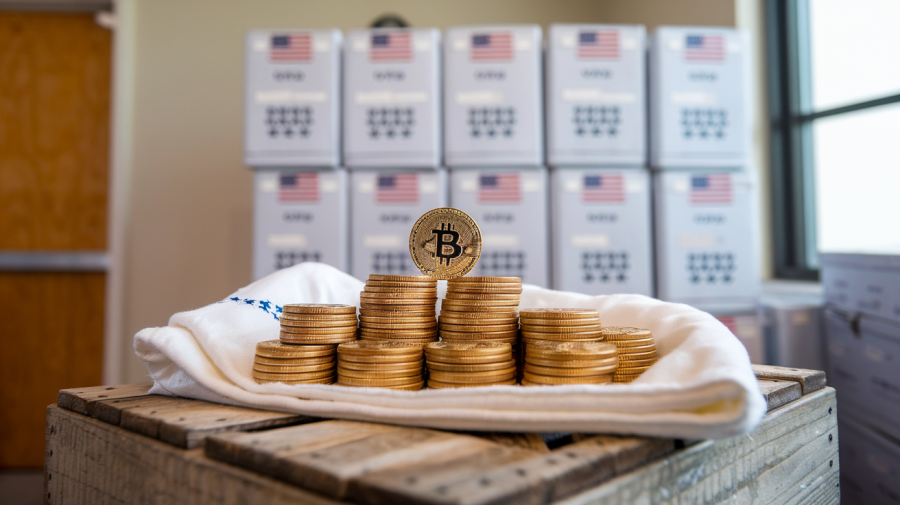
[[702, 387]]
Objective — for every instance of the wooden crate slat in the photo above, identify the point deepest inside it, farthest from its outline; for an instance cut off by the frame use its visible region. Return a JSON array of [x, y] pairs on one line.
[[89, 461], [790, 458], [810, 380], [82, 400], [532, 441], [328, 456], [779, 392]]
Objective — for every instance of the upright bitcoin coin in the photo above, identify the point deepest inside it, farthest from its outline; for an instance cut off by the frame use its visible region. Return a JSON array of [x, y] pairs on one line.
[[445, 243]]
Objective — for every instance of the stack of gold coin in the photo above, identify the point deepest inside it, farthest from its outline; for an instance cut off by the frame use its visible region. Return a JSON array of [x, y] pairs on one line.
[[398, 308], [550, 363], [294, 364], [314, 323], [481, 309], [392, 365], [560, 325], [637, 351], [469, 365]]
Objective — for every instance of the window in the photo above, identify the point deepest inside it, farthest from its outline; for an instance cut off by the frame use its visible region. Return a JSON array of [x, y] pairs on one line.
[[834, 93]]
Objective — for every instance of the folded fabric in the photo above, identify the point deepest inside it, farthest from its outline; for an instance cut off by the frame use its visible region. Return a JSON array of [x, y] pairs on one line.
[[702, 386]]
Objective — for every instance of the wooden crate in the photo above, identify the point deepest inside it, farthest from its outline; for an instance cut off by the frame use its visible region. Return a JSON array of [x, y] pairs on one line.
[[119, 444]]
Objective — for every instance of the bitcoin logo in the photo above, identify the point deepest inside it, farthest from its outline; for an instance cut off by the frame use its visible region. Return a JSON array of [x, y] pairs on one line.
[[445, 243]]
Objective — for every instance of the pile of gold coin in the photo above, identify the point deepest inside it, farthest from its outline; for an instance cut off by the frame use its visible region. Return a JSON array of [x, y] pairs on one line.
[[398, 308], [314, 323], [560, 325], [637, 351], [469, 365], [392, 365], [294, 364], [552, 363]]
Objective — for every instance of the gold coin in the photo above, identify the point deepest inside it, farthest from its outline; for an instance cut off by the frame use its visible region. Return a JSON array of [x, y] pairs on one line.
[[445, 385], [326, 380], [632, 370], [378, 374], [480, 349], [487, 319], [468, 304], [473, 279], [468, 360], [412, 341], [318, 308], [290, 338], [263, 360], [370, 349], [488, 310], [382, 359], [399, 326], [559, 314], [317, 324], [340, 330], [389, 303], [536, 341], [365, 295], [505, 313], [398, 289], [595, 329], [294, 368], [401, 278], [562, 337], [387, 381], [469, 367], [423, 311], [381, 367], [510, 341], [327, 318], [571, 350], [481, 335], [472, 328], [278, 349], [293, 376], [481, 296], [413, 332], [625, 331], [397, 319], [500, 289], [432, 284], [572, 363], [445, 243], [569, 372], [629, 356], [469, 377], [633, 345], [412, 387], [638, 362], [544, 379]]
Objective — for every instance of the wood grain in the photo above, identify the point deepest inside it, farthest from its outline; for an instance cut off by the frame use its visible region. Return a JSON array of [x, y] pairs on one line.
[[52, 338], [778, 393], [54, 162], [89, 461], [84, 400], [810, 380]]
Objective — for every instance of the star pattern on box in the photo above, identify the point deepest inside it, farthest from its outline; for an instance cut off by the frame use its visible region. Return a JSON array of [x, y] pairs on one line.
[[604, 267], [284, 259], [502, 264], [596, 121], [704, 124], [289, 122], [710, 268], [393, 263], [492, 122], [390, 123]]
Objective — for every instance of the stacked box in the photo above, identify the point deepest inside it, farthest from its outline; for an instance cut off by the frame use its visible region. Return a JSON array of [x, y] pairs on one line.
[[510, 206], [493, 108], [699, 98], [706, 239], [299, 216], [384, 206], [600, 231], [392, 99], [745, 325], [870, 463], [596, 98], [792, 319], [292, 98]]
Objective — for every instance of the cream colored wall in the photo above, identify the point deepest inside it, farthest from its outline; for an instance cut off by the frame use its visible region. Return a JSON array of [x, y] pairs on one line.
[[185, 196]]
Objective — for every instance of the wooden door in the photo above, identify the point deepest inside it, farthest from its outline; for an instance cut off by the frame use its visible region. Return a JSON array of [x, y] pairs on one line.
[[54, 164]]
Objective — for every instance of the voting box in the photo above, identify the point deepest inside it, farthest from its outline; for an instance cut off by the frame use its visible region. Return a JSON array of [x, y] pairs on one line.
[[511, 208], [699, 98], [392, 100], [707, 246], [596, 99], [493, 99], [384, 207], [292, 98], [297, 217], [600, 230]]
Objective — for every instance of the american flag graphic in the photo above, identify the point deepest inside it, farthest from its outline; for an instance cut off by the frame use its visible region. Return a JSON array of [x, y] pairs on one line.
[[492, 47], [702, 48], [291, 48], [711, 189], [599, 45], [609, 188], [729, 322], [391, 47], [397, 188], [300, 187], [499, 188]]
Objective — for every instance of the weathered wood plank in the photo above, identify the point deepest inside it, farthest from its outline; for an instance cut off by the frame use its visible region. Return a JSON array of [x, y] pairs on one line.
[[82, 400], [531, 441], [88, 461], [328, 457], [810, 380], [779, 392], [791, 458]]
